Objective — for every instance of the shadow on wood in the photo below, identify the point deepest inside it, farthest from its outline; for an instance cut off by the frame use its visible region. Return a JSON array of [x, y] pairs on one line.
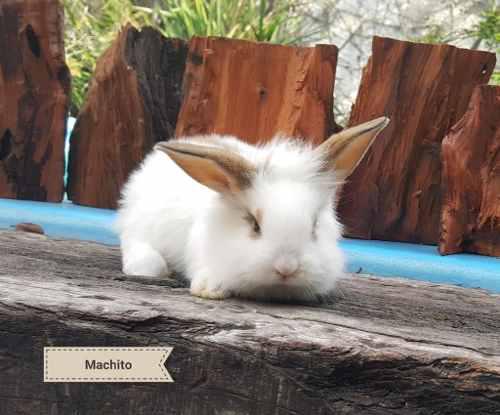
[[384, 346]]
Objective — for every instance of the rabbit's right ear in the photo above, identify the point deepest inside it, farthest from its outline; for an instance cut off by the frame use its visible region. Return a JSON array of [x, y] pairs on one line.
[[345, 150], [218, 169]]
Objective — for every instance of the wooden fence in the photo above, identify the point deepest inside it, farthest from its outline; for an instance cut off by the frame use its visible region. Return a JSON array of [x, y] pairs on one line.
[[433, 176]]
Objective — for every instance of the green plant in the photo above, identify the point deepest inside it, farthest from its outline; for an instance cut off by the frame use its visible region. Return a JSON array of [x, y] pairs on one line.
[[260, 20], [488, 29], [435, 34], [495, 78], [91, 26]]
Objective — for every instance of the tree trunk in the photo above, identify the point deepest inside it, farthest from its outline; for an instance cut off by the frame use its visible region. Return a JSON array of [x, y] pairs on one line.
[[34, 100], [470, 218], [256, 90], [382, 346], [395, 193], [132, 103]]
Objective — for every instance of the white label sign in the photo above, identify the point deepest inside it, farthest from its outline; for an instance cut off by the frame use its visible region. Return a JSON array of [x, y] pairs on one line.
[[106, 364]]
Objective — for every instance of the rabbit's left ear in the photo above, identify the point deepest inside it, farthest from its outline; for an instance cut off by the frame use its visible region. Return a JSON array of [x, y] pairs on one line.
[[221, 170], [344, 151]]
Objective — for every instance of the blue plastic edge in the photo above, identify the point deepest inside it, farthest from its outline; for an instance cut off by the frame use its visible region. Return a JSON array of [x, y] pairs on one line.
[[62, 220], [391, 259]]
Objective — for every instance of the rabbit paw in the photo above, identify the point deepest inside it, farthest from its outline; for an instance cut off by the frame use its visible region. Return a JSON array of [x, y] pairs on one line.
[[145, 261], [200, 287]]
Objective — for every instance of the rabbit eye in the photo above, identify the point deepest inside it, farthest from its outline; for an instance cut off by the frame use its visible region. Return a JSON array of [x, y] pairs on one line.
[[253, 223], [315, 228], [256, 226]]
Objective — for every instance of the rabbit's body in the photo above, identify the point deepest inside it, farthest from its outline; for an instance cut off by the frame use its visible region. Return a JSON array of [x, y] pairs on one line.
[[261, 225]]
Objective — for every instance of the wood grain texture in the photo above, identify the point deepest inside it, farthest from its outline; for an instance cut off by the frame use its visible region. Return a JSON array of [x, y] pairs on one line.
[[395, 193], [383, 346], [34, 100], [256, 90], [132, 103], [470, 216]]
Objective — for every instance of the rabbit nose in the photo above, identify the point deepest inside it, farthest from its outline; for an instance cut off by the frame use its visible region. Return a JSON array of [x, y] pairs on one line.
[[286, 266]]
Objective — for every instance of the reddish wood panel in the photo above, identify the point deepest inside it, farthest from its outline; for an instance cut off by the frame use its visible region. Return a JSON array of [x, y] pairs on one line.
[[132, 103], [470, 216], [34, 100], [394, 194], [256, 90]]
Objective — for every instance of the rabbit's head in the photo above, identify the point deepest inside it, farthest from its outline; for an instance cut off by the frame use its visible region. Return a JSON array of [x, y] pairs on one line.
[[272, 232]]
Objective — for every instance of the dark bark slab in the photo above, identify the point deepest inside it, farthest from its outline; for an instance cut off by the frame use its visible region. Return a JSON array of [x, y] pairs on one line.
[[34, 100], [383, 346], [256, 90], [132, 103], [395, 193], [470, 217]]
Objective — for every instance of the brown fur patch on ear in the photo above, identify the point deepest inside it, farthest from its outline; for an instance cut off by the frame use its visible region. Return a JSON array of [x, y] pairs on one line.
[[345, 150], [205, 172], [219, 169]]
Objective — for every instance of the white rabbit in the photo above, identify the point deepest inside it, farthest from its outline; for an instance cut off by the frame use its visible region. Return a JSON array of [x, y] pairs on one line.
[[238, 219]]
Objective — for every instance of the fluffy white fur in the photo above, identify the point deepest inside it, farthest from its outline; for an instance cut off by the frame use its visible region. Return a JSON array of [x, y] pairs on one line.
[[169, 222]]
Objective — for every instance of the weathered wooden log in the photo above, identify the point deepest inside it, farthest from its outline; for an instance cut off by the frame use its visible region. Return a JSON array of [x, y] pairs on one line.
[[256, 90], [470, 216], [394, 194], [132, 103], [34, 100], [383, 346]]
